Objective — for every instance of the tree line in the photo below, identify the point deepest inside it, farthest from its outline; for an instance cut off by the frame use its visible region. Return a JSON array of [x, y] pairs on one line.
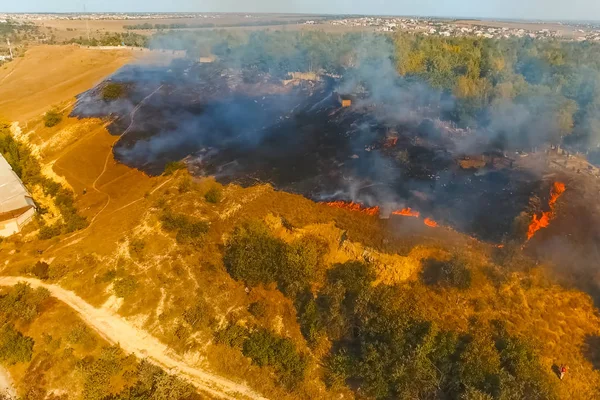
[[525, 92]]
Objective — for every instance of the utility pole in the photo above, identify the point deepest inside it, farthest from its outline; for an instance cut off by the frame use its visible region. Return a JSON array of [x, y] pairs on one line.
[[87, 23], [9, 48]]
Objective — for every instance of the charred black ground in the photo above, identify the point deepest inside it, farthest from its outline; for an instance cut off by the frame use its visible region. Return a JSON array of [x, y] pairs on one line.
[[249, 128]]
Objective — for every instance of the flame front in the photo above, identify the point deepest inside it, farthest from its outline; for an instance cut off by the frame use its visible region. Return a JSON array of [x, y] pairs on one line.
[[354, 207], [430, 222], [537, 223], [407, 212]]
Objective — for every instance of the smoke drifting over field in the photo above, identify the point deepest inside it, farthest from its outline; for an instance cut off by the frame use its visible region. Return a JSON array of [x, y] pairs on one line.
[[398, 144]]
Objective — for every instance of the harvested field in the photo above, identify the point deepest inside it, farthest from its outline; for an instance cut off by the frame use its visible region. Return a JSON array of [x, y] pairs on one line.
[[49, 75]]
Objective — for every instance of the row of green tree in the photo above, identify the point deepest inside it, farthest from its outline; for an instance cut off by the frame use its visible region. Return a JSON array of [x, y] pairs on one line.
[[113, 39], [382, 347], [28, 169]]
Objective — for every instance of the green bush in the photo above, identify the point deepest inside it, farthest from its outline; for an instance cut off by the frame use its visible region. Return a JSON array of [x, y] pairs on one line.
[[200, 315], [173, 167], [189, 230], [253, 255], [21, 302], [57, 271], [81, 334], [233, 335], [213, 195], [108, 276], [48, 232], [258, 309], [452, 273], [40, 270], [52, 118], [125, 287], [266, 349], [14, 347], [112, 91]]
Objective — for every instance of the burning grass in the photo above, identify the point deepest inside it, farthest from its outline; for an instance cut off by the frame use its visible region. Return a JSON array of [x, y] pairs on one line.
[[537, 223], [351, 206], [407, 212]]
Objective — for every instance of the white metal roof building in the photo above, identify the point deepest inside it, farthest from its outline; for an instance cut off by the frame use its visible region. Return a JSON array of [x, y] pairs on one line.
[[16, 205]]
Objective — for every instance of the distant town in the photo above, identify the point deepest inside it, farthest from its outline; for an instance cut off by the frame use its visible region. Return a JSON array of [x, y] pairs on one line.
[[575, 31]]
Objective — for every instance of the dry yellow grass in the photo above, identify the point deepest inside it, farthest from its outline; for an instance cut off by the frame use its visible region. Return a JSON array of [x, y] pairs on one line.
[[173, 277], [48, 75]]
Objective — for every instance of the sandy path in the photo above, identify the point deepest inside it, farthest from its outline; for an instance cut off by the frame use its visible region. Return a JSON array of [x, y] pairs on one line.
[[7, 387], [116, 329]]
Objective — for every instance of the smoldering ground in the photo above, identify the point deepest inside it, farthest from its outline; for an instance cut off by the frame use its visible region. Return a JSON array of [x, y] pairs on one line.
[[235, 119]]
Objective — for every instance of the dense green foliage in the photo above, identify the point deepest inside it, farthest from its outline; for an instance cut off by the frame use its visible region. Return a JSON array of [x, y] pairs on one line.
[[125, 287], [22, 303], [254, 256], [174, 166], [189, 230], [267, 349], [213, 195], [19, 304], [14, 347], [112, 91], [28, 168], [52, 118], [382, 345]]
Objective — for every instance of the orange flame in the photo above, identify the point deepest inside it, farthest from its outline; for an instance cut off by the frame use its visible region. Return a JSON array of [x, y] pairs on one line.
[[354, 207], [558, 188], [430, 222], [407, 212]]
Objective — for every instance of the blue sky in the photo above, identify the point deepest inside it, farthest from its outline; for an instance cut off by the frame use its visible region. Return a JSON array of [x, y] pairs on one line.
[[525, 9]]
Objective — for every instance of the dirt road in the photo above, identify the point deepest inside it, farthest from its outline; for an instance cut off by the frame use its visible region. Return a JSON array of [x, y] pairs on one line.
[[116, 329]]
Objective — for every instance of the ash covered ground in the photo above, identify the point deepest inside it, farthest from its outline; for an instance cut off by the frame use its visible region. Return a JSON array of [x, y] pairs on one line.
[[389, 148]]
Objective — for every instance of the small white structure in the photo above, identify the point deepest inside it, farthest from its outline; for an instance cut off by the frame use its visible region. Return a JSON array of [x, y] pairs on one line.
[[16, 205]]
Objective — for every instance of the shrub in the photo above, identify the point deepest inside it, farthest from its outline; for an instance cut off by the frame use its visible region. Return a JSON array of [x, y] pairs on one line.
[[40, 270], [48, 232], [214, 195], [52, 118], [185, 185], [112, 91], [253, 255], [189, 230], [258, 309], [81, 334], [21, 302], [14, 347], [452, 273], [57, 271], [266, 349], [200, 315], [108, 276], [125, 287], [173, 167], [136, 247], [233, 335]]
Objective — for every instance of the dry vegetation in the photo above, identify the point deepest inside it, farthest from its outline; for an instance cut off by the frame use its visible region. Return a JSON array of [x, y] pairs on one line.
[[154, 254]]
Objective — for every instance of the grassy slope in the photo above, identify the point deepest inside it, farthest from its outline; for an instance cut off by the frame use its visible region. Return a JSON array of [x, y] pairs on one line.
[[171, 278]]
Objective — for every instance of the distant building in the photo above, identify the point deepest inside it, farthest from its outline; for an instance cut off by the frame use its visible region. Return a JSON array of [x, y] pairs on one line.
[[16, 205], [344, 100]]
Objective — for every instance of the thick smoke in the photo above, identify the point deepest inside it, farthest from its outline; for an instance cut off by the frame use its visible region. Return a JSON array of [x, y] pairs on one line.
[[235, 119]]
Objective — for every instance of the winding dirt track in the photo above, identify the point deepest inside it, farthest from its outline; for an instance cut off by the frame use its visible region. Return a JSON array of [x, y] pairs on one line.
[[116, 330]]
